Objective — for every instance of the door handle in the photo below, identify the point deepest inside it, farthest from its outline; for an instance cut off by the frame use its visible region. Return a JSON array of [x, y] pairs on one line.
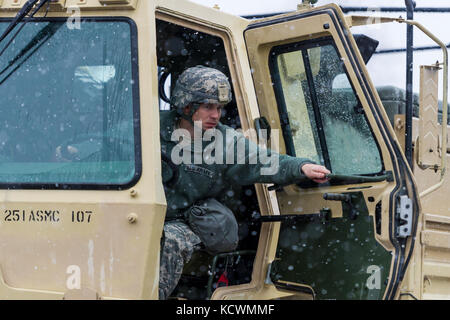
[[345, 198]]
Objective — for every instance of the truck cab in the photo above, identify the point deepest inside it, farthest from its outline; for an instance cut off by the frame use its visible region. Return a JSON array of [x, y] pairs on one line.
[[83, 205]]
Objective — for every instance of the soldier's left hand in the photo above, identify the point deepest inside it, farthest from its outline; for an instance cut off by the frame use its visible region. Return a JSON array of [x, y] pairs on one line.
[[315, 172]]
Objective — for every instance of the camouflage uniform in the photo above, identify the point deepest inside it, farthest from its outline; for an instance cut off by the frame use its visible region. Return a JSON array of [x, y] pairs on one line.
[[179, 242], [201, 181]]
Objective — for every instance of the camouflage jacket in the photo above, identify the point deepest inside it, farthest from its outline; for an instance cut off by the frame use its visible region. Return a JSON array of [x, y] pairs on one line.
[[197, 181]]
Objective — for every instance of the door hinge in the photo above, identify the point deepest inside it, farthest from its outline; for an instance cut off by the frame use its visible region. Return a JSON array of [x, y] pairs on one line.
[[405, 215]]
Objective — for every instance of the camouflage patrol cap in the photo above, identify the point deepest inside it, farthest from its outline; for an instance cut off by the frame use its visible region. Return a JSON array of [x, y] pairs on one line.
[[201, 84]]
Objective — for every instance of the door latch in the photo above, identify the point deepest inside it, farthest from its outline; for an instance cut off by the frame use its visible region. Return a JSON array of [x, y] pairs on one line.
[[405, 215]]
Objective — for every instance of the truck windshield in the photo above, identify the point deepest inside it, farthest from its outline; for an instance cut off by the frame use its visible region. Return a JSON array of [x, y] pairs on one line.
[[69, 105]]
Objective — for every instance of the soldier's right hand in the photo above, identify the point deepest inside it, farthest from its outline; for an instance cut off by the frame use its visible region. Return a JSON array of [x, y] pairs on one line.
[[315, 172]]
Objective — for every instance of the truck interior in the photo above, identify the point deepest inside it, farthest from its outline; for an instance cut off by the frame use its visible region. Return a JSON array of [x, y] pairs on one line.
[[179, 48]]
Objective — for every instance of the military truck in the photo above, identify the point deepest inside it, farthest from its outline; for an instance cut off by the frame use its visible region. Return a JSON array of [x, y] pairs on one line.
[[82, 84]]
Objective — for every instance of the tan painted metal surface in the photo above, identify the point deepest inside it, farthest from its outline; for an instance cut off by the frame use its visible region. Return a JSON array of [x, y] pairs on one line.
[[114, 248]]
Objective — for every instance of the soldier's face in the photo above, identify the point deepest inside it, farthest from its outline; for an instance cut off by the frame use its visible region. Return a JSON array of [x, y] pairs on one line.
[[209, 114]]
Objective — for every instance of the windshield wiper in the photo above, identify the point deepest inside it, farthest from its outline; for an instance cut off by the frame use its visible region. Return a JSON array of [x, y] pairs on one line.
[[28, 6], [35, 44]]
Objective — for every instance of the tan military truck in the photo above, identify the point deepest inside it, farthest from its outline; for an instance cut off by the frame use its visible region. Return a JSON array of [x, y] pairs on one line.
[[82, 201]]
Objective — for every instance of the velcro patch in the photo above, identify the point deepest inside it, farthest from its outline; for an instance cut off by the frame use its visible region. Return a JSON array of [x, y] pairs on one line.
[[224, 93]]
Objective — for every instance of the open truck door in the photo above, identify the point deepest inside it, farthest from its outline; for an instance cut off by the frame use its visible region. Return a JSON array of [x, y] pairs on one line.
[[352, 237]]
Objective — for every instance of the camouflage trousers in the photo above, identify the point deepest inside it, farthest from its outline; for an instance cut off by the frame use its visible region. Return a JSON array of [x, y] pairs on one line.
[[179, 242]]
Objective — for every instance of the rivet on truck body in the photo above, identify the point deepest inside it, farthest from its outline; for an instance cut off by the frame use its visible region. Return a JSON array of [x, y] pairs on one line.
[[132, 218]]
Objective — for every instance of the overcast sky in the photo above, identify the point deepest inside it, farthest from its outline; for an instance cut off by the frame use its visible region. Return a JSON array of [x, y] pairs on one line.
[[240, 7], [389, 35]]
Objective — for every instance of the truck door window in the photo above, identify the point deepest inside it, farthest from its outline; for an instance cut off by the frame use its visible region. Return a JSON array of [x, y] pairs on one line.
[[69, 105], [322, 116]]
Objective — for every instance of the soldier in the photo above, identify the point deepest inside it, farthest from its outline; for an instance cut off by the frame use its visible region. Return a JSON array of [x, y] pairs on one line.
[[192, 187]]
